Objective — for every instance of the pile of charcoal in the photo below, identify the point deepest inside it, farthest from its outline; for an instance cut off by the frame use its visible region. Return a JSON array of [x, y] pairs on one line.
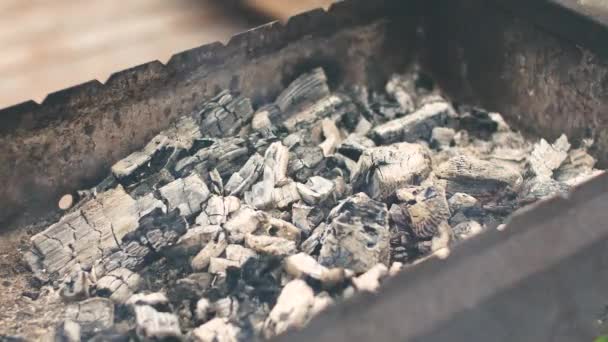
[[238, 224]]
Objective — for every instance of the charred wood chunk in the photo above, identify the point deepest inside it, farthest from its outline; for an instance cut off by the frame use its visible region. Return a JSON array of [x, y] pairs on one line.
[[418, 125], [427, 208], [158, 231], [244, 221], [225, 114], [262, 120], [358, 235], [401, 88], [442, 138], [302, 162], [195, 238], [151, 184], [292, 310], [154, 325], [270, 245], [370, 280], [332, 107], [217, 209], [281, 228], [276, 160], [217, 330], [92, 315], [466, 230], [213, 249], [67, 331], [133, 256], [384, 169], [239, 254], [76, 287], [186, 194], [242, 180], [354, 145], [545, 157], [88, 234], [226, 155], [304, 90], [332, 135], [119, 285], [461, 202], [538, 188], [477, 122], [305, 217], [317, 190], [481, 179]]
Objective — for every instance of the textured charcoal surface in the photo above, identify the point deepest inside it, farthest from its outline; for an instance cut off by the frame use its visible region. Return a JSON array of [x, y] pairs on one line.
[[242, 223]]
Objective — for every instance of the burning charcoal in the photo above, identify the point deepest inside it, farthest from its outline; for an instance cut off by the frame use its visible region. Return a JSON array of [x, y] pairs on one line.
[[239, 254], [370, 280], [400, 88], [220, 265], [442, 137], [545, 158], [139, 165], [216, 330], [159, 231], [306, 218], [119, 284], [226, 155], [312, 245], [76, 287], [303, 91], [303, 160], [213, 249], [225, 307], [539, 188], [481, 179], [427, 208], [270, 245], [216, 210], [225, 114], [92, 315], [243, 180], [186, 194], [358, 235], [244, 221], [132, 256], [85, 235], [354, 145], [292, 310], [194, 239], [280, 228], [466, 230], [153, 325], [332, 106], [332, 137], [410, 128], [316, 190], [382, 170], [68, 331]]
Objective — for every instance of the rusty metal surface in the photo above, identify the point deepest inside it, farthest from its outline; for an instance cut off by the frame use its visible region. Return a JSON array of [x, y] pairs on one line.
[[542, 279], [72, 138]]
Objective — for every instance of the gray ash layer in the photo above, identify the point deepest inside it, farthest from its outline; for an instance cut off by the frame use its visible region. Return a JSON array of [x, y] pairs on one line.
[[241, 223]]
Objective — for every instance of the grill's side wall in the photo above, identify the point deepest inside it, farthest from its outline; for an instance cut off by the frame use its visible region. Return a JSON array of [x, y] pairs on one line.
[[70, 140], [544, 84]]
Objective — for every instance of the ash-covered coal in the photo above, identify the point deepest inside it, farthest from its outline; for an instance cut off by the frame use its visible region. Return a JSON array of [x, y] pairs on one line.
[[240, 223]]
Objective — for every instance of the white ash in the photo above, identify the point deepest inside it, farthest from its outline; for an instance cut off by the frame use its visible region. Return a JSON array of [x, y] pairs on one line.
[[239, 223]]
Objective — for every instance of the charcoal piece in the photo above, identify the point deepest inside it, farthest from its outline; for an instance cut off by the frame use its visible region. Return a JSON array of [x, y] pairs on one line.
[[264, 197], [370, 280], [216, 330], [427, 208], [354, 145], [333, 107], [224, 115], [258, 278], [358, 235], [481, 179], [466, 230], [133, 256], [384, 169], [159, 231], [280, 228], [243, 180], [153, 325], [92, 315], [227, 155], [303, 265], [312, 244], [190, 288], [244, 221], [202, 310], [276, 160], [213, 249], [332, 137], [146, 204], [184, 132], [579, 162], [227, 307], [141, 164], [385, 108], [418, 125], [545, 157], [316, 190], [442, 137], [67, 331], [218, 266], [303, 160], [261, 121], [270, 245], [292, 310], [216, 183], [477, 122], [193, 241], [186, 194], [239, 254], [284, 196], [156, 300], [461, 201], [76, 287], [538, 188], [217, 209], [400, 88], [305, 217], [87, 234], [119, 284], [303, 91]]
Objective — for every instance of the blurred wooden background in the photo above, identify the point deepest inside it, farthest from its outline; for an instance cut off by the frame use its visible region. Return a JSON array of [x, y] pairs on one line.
[[49, 45]]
